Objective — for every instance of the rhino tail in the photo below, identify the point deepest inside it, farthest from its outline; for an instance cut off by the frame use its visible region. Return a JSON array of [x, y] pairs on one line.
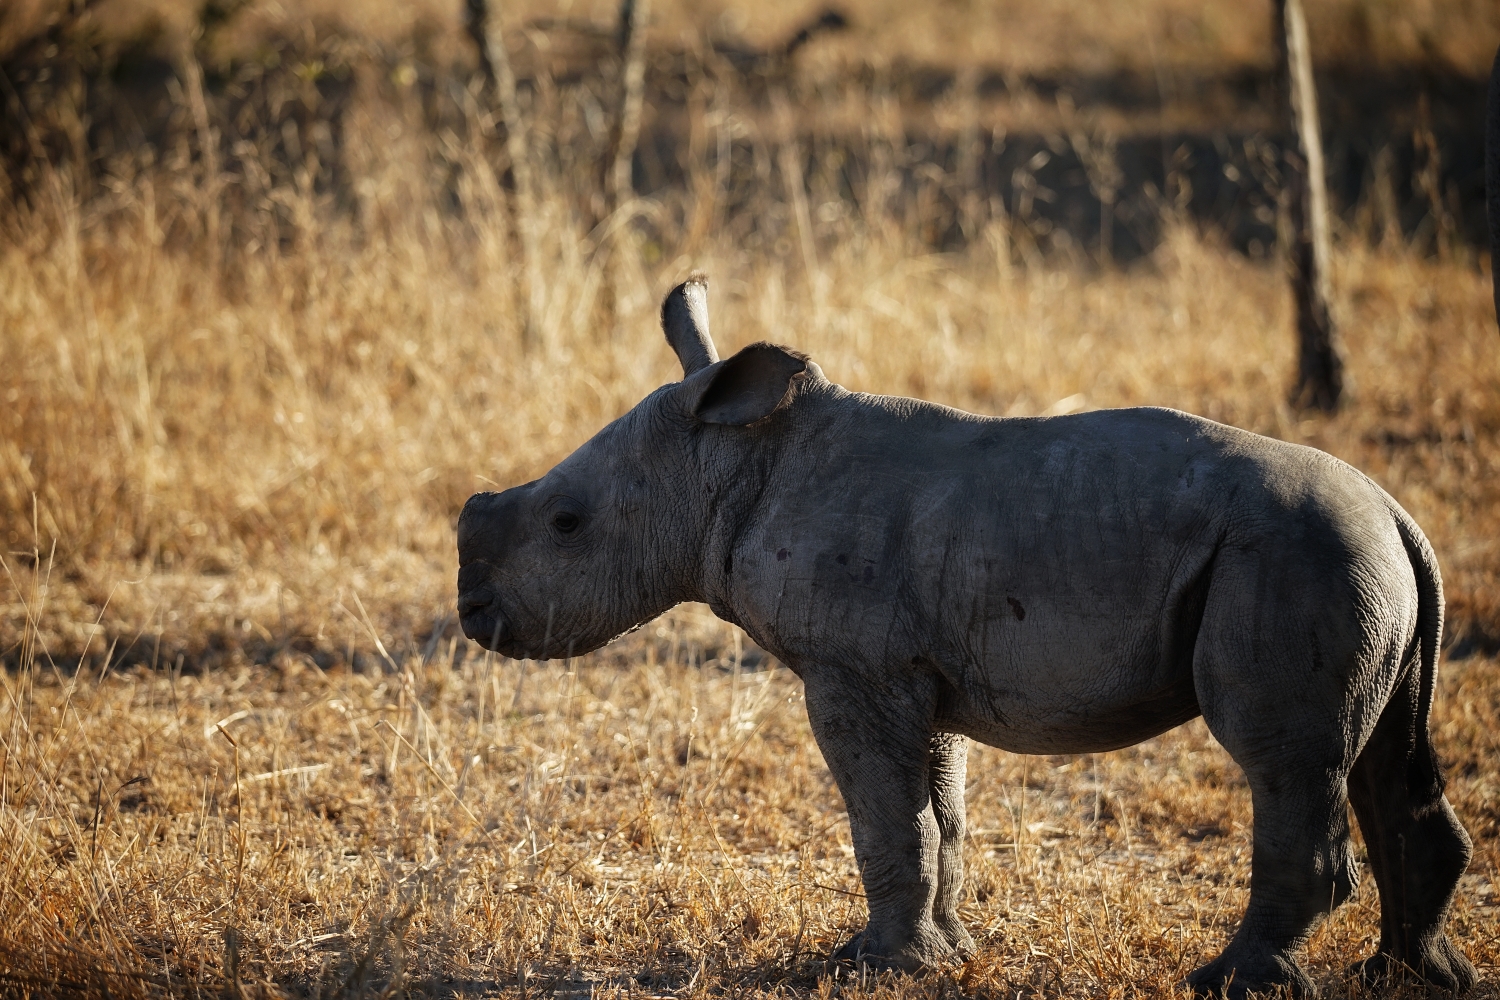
[[1424, 771]]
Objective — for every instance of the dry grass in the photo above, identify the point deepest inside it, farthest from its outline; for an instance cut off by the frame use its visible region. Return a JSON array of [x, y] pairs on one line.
[[653, 820], [228, 467], [244, 752]]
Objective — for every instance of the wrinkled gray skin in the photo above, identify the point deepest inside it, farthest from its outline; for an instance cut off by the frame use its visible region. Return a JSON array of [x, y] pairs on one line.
[[1044, 585]]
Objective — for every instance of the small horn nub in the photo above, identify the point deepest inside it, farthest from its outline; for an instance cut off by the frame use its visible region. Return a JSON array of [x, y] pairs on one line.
[[684, 319]]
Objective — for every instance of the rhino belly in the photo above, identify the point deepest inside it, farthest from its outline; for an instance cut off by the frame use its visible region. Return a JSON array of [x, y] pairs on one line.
[[1084, 723], [1077, 676]]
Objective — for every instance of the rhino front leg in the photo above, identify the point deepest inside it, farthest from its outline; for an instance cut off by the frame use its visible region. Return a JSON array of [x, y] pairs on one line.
[[879, 749], [947, 767]]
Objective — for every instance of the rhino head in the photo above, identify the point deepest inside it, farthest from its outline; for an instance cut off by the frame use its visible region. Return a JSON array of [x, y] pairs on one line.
[[616, 533]]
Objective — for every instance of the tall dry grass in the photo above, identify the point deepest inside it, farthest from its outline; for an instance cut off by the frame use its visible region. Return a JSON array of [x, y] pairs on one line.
[[229, 458], [242, 748]]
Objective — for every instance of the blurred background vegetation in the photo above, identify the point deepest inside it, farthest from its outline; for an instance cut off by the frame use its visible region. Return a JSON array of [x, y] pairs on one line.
[[1038, 113], [284, 283]]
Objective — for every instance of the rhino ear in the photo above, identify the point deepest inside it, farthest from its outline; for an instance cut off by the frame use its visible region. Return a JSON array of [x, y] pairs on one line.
[[684, 319], [750, 386]]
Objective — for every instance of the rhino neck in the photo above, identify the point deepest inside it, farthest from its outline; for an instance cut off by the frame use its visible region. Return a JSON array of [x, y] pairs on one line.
[[743, 469]]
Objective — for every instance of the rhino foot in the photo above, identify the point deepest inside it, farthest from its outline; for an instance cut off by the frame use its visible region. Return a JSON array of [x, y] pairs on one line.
[[1237, 979], [927, 948], [957, 936], [1438, 964]]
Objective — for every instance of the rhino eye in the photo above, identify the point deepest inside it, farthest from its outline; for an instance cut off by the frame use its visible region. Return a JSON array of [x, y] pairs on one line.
[[565, 522]]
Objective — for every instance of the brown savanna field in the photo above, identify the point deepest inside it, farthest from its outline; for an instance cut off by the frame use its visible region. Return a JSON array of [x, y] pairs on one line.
[[263, 328]]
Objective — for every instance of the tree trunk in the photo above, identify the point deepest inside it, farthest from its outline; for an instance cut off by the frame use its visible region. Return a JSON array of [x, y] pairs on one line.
[[1492, 175], [484, 27], [627, 130], [616, 184], [1320, 370]]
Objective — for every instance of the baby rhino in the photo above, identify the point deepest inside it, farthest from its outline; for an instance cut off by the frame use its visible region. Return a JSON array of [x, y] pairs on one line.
[[1049, 585]]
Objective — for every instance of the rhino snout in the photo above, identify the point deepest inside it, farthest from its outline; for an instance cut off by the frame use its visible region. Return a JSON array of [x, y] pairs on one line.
[[479, 616], [473, 601], [487, 629], [477, 524], [479, 606]]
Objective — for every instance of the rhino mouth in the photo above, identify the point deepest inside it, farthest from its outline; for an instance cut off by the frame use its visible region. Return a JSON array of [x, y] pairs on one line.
[[480, 618], [483, 620]]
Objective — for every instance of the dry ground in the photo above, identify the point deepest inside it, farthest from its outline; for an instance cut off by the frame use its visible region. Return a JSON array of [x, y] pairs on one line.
[[243, 750], [650, 821]]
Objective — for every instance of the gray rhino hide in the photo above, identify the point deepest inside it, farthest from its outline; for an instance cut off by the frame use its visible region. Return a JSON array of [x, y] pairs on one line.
[[1044, 585]]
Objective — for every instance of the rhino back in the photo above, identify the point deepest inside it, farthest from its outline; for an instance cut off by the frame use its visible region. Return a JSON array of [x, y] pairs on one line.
[[1053, 570]]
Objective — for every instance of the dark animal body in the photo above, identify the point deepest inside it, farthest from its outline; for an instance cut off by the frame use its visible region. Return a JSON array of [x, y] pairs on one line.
[[1048, 585]]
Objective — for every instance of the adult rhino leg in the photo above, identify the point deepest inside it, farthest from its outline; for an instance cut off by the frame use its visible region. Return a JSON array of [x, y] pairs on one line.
[[878, 748], [947, 767], [1416, 845]]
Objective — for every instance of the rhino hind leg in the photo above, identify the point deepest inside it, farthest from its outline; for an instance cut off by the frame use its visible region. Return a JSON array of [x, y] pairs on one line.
[[1279, 688], [1301, 868], [880, 752], [1417, 848]]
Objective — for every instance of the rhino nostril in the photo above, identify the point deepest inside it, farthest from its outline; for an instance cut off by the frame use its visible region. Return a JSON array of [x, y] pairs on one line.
[[471, 601]]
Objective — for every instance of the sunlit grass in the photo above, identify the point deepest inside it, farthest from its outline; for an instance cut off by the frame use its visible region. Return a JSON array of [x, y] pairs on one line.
[[243, 748]]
